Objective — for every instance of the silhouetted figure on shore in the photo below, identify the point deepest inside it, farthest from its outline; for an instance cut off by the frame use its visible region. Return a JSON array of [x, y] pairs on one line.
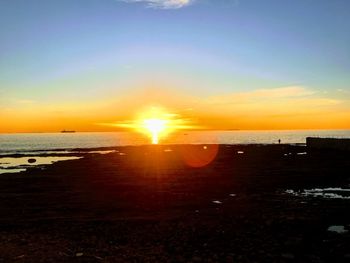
[[279, 141]]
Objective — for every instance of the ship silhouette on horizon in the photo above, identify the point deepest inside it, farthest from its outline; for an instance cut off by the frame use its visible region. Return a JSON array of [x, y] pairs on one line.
[[67, 131]]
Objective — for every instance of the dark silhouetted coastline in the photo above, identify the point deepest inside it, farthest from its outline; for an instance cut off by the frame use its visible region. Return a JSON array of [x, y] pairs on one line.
[[147, 204]]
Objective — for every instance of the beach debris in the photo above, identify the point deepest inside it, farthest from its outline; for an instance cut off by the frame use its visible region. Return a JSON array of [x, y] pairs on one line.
[[31, 160], [122, 154], [240, 152], [79, 254], [302, 153], [337, 229], [217, 202], [233, 195], [329, 193]]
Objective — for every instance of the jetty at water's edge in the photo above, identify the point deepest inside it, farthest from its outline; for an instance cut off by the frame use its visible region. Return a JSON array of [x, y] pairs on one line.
[[342, 144]]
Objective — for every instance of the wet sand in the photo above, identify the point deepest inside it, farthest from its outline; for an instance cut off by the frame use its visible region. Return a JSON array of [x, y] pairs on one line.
[[146, 204]]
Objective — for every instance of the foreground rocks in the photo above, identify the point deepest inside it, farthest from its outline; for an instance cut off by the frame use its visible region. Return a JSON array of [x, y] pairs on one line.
[[148, 205]]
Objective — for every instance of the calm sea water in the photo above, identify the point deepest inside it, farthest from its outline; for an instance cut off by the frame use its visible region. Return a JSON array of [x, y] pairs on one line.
[[18, 143]]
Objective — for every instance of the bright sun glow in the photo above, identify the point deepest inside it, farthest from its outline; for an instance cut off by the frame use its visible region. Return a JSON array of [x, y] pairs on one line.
[[156, 123], [155, 127]]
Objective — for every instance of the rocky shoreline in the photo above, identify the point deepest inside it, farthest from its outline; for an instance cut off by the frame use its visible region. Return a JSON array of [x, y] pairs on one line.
[[178, 203]]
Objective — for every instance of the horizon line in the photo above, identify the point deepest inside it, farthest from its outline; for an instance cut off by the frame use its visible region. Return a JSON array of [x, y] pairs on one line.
[[190, 130]]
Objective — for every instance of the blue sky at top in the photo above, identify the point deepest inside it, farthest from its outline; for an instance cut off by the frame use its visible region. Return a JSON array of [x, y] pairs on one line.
[[52, 50]]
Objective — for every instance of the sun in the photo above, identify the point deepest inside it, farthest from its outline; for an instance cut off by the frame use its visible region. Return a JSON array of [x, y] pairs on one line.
[[156, 123], [155, 127]]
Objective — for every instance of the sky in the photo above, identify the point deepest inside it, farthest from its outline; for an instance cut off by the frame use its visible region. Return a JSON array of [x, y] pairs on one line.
[[220, 64]]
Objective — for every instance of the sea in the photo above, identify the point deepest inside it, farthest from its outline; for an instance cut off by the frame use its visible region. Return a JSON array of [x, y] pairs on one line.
[[28, 142], [35, 145]]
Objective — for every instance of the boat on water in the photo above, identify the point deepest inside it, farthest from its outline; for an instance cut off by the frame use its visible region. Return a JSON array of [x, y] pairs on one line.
[[66, 131]]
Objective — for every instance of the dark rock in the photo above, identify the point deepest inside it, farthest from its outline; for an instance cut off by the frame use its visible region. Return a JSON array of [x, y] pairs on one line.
[[288, 256], [31, 160], [197, 259]]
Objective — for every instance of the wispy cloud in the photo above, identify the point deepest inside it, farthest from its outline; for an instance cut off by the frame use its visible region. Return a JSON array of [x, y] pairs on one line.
[[261, 94], [162, 4], [24, 101]]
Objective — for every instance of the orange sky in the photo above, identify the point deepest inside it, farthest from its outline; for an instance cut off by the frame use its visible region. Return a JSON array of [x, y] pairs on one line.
[[245, 65], [293, 107]]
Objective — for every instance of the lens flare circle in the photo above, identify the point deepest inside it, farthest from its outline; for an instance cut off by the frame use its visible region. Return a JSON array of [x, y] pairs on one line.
[[199, 155]]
